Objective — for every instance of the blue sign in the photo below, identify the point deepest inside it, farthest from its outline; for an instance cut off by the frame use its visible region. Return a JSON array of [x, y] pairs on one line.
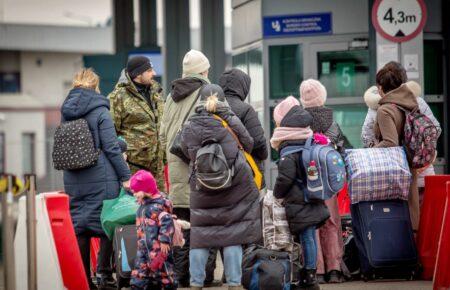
[[298, 25]]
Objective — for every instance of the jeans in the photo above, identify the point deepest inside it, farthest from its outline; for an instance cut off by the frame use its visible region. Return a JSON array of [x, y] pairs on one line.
[[232, 265], [309, 245], [104, 259]]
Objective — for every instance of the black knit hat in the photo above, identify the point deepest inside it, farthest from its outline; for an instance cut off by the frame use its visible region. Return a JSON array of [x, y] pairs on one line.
[[122, 144], [297, 117], [212, 89], [138, 65]]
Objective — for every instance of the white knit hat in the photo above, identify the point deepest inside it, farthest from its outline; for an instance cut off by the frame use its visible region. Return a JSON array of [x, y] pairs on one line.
[[372, 97], [312, 93], [195, 62]]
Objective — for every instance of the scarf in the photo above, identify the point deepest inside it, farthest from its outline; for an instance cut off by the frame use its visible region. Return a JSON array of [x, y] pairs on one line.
[[281, 134]]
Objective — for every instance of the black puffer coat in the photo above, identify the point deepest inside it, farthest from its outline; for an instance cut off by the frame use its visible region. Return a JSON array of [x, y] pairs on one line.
[[323, 123], [299, 213], [236, 85], [230, 216]]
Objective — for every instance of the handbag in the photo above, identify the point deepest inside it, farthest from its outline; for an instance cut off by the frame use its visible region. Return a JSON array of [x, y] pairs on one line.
[[118, 211], [257, 175], [175, 147]]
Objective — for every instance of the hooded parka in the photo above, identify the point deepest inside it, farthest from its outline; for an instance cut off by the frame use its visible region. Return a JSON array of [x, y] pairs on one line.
[[230, 216], [87, 188]]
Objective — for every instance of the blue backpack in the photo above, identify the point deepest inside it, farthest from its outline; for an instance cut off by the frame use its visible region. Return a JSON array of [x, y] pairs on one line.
[[325, 170]]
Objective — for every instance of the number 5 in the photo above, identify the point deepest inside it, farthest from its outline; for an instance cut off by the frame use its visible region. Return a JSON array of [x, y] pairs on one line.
[[346, 79]]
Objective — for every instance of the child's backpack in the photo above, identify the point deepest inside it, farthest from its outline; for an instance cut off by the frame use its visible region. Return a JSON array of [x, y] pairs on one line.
[[420, 138], [276, 233], [178, 238], [211, 168], [325, 170], [264, 269], [74, 146]]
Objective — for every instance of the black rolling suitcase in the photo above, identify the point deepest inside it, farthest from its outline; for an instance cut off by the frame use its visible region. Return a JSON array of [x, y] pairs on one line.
[[125, 246], [385, 240]]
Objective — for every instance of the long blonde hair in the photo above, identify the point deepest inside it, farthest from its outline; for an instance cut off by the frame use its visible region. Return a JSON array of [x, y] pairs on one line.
[[86, 78], [211, 103]]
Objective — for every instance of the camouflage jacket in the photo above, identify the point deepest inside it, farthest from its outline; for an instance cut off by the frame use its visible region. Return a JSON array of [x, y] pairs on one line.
[[139, 123]]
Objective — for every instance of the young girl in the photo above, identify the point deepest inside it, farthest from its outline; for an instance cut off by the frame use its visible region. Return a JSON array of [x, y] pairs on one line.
[[293, 129], [330, 245], [227, 217], [155, 230]]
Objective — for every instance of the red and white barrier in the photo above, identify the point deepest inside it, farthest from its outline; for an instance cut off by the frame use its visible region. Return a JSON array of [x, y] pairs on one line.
[[59, 264]]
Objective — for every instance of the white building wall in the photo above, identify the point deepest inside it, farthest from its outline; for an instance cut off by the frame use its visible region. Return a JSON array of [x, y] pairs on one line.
[[13, 125], [48, 76]]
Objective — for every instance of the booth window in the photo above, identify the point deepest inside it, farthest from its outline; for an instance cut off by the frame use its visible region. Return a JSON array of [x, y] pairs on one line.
[[240, 61], [285, 70], [9, 82], [344, 73], [433, 55], [350, 119], [28, 152]]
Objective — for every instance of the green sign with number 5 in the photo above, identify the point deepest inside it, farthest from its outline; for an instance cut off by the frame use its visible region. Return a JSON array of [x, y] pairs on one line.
[[345, 78]]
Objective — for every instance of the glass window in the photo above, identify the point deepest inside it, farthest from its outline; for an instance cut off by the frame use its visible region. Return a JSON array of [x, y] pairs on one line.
[[9, 82], [351, 119], [240, 61], [285, 70], [433, 67], [255, 71], [344, 73], [2, 152], [28, 153]]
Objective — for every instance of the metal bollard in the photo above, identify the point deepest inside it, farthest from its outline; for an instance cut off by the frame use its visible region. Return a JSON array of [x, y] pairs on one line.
[[31, 232], [8, 236]]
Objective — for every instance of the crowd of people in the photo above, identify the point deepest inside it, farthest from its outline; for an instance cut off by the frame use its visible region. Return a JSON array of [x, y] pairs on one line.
[[197, 114]]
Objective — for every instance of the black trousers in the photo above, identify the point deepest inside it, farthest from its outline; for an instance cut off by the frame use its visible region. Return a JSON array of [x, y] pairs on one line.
[[181, 255], [104, 259]]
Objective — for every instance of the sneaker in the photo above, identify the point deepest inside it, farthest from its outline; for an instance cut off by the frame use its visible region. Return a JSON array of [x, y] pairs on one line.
[[334, 276], [106, 282]]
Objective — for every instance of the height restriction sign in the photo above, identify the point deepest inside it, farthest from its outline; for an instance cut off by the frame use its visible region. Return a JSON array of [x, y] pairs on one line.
[[399, 20]]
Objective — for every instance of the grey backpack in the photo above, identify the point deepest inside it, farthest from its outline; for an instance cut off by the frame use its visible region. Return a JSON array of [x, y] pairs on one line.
[[211, 168], [74, 146]]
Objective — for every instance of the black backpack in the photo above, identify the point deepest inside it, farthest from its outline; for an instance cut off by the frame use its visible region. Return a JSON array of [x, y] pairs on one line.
[[264, 269], [74, 146], [211, 168]]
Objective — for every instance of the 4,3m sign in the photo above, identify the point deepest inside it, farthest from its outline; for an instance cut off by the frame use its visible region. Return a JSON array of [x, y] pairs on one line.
[[399, 20]]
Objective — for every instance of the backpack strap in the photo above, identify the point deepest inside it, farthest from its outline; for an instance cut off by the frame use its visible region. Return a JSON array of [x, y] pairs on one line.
[[287, 150]]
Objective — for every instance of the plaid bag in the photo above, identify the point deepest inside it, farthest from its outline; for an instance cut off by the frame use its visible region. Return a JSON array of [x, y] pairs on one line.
[[377, 174], [276, 233]]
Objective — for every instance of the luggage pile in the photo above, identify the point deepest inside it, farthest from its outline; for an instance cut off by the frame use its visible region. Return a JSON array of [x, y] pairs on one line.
[[379, 181]]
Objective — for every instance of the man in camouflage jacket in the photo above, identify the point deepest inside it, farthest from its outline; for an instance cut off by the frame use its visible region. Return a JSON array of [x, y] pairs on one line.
[[136, 109]]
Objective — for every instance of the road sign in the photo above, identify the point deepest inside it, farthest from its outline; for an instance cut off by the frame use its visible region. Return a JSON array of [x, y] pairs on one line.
[[345, 78], [298, 25], [399, 20]]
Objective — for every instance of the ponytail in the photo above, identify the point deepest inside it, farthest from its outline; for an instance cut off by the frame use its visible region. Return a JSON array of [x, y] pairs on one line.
[[211, 103]]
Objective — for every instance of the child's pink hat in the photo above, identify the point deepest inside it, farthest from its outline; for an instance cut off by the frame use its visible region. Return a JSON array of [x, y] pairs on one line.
[[283, 108], [144, 181]]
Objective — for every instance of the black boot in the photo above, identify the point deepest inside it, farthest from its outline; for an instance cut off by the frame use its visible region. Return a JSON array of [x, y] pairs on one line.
[[308, 280]]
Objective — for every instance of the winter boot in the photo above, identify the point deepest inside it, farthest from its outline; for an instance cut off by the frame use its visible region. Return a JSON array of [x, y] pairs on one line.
[[308, 280]]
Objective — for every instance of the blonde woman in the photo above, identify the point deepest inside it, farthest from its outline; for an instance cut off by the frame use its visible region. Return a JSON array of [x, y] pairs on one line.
[[88, 187], [230, 216]]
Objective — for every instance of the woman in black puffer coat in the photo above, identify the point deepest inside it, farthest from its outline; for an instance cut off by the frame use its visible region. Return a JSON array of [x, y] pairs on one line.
[[225, 217]]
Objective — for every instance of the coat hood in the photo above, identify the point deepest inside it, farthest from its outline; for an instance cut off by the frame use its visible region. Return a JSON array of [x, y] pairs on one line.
[[322, 118], [401, 96], [235, 83], [80, 102], [182, 88], [297, 118]]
